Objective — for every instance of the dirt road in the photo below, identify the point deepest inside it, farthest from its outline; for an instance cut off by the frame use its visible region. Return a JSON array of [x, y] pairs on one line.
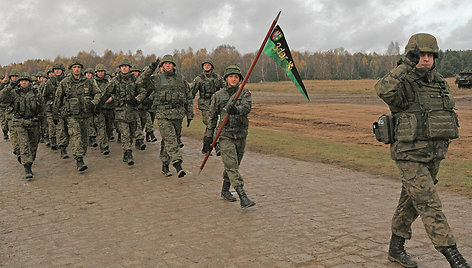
[[112, 215]]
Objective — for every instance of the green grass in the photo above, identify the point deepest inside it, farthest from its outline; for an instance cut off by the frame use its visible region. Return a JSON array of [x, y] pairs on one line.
[[455, 175]]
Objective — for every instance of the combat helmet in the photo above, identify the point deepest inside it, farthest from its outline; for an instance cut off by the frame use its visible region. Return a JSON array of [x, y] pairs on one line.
[[59, 66], [14, 72], [124, 61], [425, 43], [233, 69], [42, 74], [75, 61], [100, 68], [50, 70], [135, 68], [209, 61], [89, 70], [168, 58], [25, 76]]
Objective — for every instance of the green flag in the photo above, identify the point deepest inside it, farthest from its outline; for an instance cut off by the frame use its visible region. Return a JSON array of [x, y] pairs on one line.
[[277, 49]]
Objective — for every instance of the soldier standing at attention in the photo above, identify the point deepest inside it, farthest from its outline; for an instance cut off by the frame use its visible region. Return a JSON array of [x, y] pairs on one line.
[[234, 133], [123, 90], [172, 101], [77, 96], [206, 84], [425, 122], [27, 110]]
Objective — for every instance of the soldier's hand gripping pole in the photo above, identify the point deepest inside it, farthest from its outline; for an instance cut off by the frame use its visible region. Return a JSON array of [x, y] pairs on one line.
[[240, 90]]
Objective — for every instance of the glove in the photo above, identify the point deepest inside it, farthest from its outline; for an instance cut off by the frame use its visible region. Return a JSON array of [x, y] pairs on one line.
[[133, 102], [154, 64], [207, 144], [414, 55], [188, 122], [55, 121], [232, 110]]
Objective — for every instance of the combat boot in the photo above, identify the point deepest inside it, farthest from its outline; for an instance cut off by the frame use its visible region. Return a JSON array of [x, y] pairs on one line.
[[217, 149], [148, 138], [5, 135], [119, 137], [178, 168], [454, 257], [125, 156], [130, 157], [53, 143], [48, 143], [166, 170], [179, 141], [397, 253], [28, 171], [225, 193], [106, 150], [18, 154], [206, 145], [152, 137], [80, 164], [244, 200], [93, 141], [140, 145], [63, 152]]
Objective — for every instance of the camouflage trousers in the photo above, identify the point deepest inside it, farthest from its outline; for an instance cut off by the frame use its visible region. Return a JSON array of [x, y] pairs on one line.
[[51, 128], [144, 124], [3, 120], [62, 132], [232, 152], [13, 136], [127, 130], [419, 197], [170, 130], [78, 134], [97, 128], [27, 136], [109, 115], [206, 121]]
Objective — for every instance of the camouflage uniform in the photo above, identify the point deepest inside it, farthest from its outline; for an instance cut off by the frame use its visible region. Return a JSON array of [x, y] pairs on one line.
[[123, 90], [27, 110], [172, 101], [99, 119], [77, 98], [8, 112], [233, 135], [141, 115], [107, 108], [425, 122], [206, 84]]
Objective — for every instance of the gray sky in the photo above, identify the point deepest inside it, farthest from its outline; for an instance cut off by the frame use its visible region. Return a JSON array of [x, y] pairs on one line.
[[33, 29]]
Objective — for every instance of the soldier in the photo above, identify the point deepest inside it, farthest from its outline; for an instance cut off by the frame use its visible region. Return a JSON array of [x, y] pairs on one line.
[[123, 90], [425, 122], [141, 113], [234, 133], [77, 97], [103, 112], [89, 72], [11, 85], [50, 72], [172, 101], [27, 109], [3, 110], [206, 84], [42, 78]]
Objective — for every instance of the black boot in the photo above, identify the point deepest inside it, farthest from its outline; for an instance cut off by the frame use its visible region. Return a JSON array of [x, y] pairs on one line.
[[93, 141], [178, 168], [206, 145], [245, 201], [148, 138], [53, 143], [125, 156], [179, 141], [166, 170], [225, 193], [28, 171], [217, 149], [454, 257], [64, 152], [152, 137], [140, 145], [80, 164], [397, 253], [5, 135], [48, 143], [130, 157], [106, 150], [119, 137]]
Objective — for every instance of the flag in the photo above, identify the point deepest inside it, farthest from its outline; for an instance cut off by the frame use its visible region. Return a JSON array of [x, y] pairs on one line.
[[277, 49]]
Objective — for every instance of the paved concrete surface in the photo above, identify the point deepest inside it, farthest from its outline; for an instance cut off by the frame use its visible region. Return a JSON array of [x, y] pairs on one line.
[[112, 215]]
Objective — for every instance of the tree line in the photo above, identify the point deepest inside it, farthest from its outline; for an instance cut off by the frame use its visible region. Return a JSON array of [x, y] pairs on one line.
[[336, 64]]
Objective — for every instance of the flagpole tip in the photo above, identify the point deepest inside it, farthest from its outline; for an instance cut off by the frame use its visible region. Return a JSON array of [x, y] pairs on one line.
[[278, 15]]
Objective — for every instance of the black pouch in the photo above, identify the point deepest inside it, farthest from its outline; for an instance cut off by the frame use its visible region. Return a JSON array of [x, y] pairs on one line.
[[384, 129]]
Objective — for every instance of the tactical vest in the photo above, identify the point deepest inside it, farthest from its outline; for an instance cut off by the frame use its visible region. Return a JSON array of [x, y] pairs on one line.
[[26, 105], [76, 94], [102, 84], [124, 90], [208, 85], [170, 99], [237, 125], [430, 113]]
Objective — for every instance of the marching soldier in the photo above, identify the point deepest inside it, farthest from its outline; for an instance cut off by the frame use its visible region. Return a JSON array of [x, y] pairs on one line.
[[10, 85], [425, 122], [234, 133], [99, 117], [206, 84]]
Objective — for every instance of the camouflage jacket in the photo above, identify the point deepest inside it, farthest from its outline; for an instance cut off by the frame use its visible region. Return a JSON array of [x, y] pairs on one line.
[[48, 91], [206, 84], [123, 89], [26, 104], [237, 125]]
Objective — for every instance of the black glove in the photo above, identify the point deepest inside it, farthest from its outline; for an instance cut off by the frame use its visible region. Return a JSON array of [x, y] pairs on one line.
[[55, 121], [188, 122], [207, 144], [133, 102], [414, 55], [232, 110], [154, 64]]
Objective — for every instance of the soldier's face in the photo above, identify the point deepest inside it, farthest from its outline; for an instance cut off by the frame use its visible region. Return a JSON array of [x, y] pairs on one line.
[[125, 69], [14, 78], [232, 80], [89, 75], [168, 66], [25, 83], [100, 74], [207, 67], [76, 70], [426, 61], [57, 72], [136, 73], [42, 79]]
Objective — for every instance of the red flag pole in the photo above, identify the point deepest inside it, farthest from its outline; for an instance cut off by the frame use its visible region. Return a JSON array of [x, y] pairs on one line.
[[241, 88]]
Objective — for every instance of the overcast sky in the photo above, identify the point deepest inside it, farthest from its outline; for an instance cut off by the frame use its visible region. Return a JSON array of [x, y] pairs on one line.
[[32, 29]]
